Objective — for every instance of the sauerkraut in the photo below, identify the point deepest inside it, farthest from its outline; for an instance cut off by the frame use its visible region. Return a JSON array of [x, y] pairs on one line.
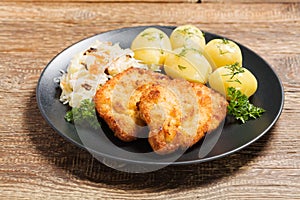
[[92, 68]]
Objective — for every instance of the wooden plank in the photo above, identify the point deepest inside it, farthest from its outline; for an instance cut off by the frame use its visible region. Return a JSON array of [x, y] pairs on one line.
[[161, 1], [249, 1], [109, 1], [37, 163], [244, 23]]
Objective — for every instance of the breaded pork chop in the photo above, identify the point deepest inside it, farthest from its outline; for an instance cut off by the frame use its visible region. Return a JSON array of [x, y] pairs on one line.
[[171, 114], [160, 108], [180, 114], [213, 108], [116, 101]]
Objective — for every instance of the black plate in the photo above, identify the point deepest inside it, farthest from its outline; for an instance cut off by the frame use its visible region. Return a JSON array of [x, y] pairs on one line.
[[234, 136]]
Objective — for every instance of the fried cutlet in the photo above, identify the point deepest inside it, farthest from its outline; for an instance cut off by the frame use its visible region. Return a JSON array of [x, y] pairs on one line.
[[116, 101], [213, 108], [171, 114], [189, 106], [178, 113], [160, 108]]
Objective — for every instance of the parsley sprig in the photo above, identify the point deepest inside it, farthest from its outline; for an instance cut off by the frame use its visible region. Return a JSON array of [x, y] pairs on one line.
[[240, 107], [84, 115]]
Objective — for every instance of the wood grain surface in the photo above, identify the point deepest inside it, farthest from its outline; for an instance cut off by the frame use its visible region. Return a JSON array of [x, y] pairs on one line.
[[162, 1], [111, 1], [37, 163], [249, 1]]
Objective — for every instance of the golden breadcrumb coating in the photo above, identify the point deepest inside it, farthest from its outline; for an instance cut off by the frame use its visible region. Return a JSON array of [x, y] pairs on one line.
[[116, 101], [174, 113]]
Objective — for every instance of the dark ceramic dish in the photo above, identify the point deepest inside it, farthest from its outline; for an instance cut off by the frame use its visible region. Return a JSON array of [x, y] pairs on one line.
[[234, 136]]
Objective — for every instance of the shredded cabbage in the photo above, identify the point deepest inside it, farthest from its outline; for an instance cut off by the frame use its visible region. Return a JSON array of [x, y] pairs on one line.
[[91, 69]]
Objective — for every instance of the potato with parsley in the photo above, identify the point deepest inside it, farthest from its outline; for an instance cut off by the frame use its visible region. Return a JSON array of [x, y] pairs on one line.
[[150, 46], [187, 36], [189, 64], [234, 76], [223, 52]]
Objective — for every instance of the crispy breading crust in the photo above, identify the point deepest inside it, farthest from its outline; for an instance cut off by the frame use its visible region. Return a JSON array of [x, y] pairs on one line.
[[160, 109], [116, 101], [219, 110], [213, 108], [176, 100], [178, 113]]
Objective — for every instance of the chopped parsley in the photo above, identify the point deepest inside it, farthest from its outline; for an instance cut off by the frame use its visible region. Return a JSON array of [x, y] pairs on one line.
[[181, 67], [190, 32], [184, 51], [219, 46], [84, 115], [151, 36], [221, 51], [187, 31], [161, 36], [240, 107], [234, 70], [225, 41]]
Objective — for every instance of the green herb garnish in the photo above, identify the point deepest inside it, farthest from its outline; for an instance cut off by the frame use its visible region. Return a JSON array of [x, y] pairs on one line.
[[188, 32], [183, 52], [234, 70], [225, 41], [161, 36], [221, 51], [84, 115], [151, 36], [185, 31], [161, 51], [181, 67], [240, 107], [219, 46]]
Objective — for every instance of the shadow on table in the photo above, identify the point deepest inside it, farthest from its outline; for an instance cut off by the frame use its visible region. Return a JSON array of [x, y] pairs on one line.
[[70, 160]]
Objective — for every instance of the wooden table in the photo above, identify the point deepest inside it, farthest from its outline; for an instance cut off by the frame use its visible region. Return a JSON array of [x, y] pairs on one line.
[[37, 163]]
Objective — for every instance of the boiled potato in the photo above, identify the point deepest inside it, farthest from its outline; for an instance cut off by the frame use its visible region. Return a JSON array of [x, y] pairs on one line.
[[151, 45], [221, 79], [150, 56], [223, 52], [187, 36], [189, 64]]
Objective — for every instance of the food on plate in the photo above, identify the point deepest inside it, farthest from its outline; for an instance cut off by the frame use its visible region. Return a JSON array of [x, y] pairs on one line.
[[179, 115], [234, 76], [186, 59], [240, 107], [116, 101], [173, 110], [160, 108], [189, 64], [150, 46], [84, 115], [208, 98], [92, 68], [172, 113], [237, 84], [223, 52], [187, 36], [177, 112]]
